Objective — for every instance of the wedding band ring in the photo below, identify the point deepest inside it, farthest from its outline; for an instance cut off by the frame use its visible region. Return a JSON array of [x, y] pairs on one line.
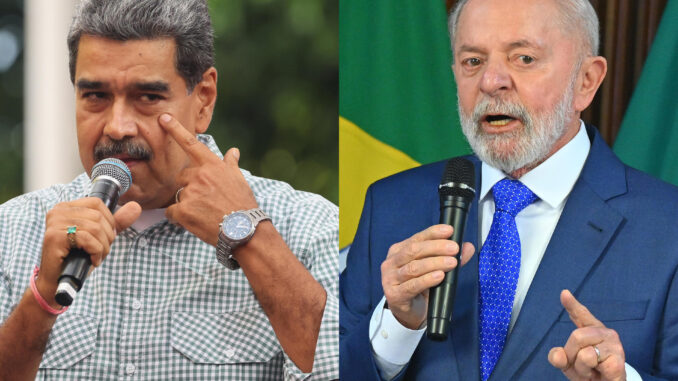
[[597, 353], [70, 233], [176, 196]]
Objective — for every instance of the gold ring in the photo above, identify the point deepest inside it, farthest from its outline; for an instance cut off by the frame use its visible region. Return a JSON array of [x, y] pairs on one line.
[[70, 233], [176, 196]]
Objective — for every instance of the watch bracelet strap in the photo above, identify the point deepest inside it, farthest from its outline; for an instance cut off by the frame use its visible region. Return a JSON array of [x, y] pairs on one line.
[[225, 251], [257, 215]]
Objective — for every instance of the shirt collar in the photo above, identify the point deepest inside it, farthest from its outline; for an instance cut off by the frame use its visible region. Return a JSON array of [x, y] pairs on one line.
[[148, 218], [553, 179]]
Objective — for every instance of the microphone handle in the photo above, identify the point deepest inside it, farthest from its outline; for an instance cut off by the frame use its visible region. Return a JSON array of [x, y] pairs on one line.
[[453, 211], [78, 262]]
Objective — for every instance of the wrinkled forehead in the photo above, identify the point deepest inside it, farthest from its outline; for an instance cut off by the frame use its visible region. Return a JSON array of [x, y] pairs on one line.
[[110, 63], [534, 22]]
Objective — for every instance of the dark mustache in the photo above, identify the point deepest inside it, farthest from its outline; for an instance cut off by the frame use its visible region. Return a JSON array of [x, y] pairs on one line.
[[127, 147]]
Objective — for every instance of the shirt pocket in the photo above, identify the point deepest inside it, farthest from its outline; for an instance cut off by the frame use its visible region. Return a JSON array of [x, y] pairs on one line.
[[614, 311], [224, 338], [72, 339]]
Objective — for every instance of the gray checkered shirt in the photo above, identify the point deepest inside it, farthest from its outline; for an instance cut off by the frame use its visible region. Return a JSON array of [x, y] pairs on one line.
[[161, 307]]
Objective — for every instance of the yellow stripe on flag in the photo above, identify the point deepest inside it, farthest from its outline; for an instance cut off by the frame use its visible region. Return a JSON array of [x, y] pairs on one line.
[[362, 161]]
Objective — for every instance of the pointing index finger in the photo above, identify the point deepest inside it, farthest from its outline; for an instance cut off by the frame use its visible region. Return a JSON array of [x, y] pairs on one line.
[[197, 151], [579, 314]]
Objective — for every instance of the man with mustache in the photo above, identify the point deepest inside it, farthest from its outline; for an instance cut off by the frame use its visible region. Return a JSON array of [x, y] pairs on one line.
[[174, 294], [556, 215]]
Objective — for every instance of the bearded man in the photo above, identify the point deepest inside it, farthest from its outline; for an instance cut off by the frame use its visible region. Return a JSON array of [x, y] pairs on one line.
[[580, 223]]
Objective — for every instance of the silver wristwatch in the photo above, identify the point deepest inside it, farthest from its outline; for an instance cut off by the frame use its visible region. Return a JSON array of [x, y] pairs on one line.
[[236, 229]]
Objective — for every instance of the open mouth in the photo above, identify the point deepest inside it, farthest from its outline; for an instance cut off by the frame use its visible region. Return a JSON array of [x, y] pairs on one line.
[[499, 120]]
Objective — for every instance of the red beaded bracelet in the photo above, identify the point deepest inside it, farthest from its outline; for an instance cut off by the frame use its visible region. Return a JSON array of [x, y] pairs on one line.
[[43, 304]]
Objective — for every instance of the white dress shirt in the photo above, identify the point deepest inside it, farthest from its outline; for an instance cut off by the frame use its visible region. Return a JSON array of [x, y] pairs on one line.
[[393, 344]]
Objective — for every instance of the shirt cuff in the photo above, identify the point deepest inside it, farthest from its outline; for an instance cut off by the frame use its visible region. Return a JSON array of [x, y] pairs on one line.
[[631, 373], [392, 343]]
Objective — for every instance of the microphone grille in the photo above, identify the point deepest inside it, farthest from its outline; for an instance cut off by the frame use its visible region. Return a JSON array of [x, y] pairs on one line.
[[116, 169], [459, 178]]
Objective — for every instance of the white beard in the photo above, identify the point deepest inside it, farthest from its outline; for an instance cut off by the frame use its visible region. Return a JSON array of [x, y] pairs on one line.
[[521, 148]]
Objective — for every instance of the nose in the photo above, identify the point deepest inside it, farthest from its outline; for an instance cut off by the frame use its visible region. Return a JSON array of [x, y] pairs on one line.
[[121, 123], [496, 78]]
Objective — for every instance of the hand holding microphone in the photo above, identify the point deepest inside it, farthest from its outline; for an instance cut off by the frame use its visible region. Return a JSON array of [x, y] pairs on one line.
[[96, 228], [415, 265]]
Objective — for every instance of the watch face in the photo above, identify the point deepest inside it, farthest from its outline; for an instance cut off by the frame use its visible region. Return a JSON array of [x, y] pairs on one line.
[[237, 226]]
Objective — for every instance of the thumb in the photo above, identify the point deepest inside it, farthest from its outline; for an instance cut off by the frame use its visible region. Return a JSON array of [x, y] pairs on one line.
[[126, 215], [232, 156], [558, 358], [467, 251]]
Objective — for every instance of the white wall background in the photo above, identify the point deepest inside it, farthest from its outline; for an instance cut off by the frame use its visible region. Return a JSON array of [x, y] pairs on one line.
[[50, 145]]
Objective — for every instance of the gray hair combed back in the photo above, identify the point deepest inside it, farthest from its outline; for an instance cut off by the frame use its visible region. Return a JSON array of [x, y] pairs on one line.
[[576, 16], [186, 21]]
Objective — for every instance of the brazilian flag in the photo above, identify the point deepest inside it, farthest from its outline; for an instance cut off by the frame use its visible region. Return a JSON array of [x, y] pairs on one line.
[[397, 97], [648, 138]]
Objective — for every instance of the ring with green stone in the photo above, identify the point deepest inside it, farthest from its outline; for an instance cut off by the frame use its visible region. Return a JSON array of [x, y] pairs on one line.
[[70, 233]]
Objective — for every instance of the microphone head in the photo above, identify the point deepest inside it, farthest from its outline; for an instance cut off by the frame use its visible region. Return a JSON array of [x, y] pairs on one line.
[[116, 169], [459, 179]]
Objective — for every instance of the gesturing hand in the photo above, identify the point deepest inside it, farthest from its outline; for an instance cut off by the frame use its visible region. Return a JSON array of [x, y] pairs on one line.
[[211, 187], [415, 265], [578, 359]]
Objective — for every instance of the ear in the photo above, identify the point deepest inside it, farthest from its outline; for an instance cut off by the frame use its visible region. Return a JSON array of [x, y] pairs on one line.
[[591, 75], [206, 97]]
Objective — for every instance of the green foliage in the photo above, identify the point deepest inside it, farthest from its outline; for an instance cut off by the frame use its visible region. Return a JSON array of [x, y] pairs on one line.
[[278, 83], [277, 100]]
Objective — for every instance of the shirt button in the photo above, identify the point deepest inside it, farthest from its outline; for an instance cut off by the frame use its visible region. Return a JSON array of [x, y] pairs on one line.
[[384, 334], [136, 304], [143, 242], [230, 352], [130, 369]]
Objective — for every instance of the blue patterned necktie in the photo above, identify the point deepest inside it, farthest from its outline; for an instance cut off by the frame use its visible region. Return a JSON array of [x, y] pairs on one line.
[[499, 267]]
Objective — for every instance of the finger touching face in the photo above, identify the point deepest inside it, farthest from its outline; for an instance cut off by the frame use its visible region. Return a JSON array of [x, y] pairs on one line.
[[122, 87]]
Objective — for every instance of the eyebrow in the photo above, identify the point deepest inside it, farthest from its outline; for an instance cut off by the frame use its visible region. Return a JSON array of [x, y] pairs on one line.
[[470, 49], [86, 84], [155, 86], [523, 43], [152, 86]]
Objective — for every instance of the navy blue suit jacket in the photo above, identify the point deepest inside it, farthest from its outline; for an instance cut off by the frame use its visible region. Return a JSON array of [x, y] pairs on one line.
[[615, 247]]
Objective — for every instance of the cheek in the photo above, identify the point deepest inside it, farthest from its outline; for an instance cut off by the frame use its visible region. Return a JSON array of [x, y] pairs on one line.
[[467, 93], [89, 131], [467, 100], [541, 99]]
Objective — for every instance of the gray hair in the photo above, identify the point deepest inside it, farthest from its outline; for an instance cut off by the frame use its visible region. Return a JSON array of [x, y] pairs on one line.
[[186, 21], [576, 16]]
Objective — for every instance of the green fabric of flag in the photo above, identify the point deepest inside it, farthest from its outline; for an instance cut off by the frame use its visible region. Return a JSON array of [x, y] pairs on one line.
[[648, 138], [397, 98]]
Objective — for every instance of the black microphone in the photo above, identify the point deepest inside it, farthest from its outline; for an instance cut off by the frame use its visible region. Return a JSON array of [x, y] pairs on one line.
[[110, 179], [456, 192]]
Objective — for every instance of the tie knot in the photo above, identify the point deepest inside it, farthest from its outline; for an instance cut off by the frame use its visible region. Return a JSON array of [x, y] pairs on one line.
[[512, 196]]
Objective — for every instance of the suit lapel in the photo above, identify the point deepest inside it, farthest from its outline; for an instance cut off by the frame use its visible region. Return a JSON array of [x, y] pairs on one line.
[[584, 230]]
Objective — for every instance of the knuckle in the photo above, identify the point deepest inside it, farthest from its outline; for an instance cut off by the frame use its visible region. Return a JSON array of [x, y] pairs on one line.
[[411, 268], [190, 140], [612, 334], [393, 249], [411, 287], [577, 335], [385, 267]]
